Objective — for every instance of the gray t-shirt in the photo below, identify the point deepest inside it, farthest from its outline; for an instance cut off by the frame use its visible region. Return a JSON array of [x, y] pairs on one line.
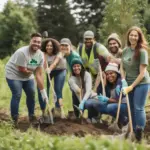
[[131, 65], [22, 57], [62, 63]]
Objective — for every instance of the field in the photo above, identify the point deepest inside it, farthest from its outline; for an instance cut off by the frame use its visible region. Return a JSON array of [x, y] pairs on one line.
[[64, 134]]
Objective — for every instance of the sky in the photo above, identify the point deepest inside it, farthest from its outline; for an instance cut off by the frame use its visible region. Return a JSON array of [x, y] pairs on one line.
[[2, 2]]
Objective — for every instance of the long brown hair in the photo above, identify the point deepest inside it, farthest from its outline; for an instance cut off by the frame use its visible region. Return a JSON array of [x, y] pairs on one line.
[[141, 43]]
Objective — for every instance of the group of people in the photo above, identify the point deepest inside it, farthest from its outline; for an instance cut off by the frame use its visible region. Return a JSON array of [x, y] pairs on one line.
[[92, 66]]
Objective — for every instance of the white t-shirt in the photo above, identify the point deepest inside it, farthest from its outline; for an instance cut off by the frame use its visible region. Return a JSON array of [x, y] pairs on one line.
[[22, 57]]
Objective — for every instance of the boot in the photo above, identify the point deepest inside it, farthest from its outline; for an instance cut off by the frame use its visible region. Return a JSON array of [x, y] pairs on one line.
[[139, 134], [15, 121], [57, 112], [32, 119]]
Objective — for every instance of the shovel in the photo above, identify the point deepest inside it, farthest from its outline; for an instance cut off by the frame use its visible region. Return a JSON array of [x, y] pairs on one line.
[[114, 127], [81, 113], [130, 134]]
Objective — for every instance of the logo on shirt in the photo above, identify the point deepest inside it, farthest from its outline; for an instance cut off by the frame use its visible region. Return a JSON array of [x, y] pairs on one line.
[[33, 62]]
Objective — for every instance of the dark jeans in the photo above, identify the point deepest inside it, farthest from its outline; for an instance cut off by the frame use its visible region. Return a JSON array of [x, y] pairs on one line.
[[90, 105], [16, 87], [59, 80]]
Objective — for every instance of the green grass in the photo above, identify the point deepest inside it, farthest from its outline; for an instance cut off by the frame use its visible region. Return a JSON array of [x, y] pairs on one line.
[[11, 139]]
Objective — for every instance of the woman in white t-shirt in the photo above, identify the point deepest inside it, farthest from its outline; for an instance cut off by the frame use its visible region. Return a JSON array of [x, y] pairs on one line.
[[55, 66]]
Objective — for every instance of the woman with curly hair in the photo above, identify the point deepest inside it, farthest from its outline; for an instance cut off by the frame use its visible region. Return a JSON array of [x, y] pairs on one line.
[[55, 66], [135, 83]]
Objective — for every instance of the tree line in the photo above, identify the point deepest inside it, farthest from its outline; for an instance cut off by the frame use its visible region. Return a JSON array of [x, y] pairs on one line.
[[69, 18]]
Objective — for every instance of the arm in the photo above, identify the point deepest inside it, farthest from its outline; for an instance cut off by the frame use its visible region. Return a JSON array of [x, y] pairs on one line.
[[54, 64], [88, 85], [25, 70], [122, 72], [39, 78]]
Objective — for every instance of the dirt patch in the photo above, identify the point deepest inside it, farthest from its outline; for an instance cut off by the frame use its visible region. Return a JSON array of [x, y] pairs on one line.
[[70, 127]]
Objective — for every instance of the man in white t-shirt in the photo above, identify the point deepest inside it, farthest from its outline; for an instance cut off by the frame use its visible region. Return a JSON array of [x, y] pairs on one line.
[[20, 70]]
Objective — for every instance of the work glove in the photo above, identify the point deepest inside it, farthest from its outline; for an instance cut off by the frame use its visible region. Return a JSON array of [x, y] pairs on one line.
[[48, 70], [127, 89], [44, 95], [124, 83], [118, 89], [81, 105], [102, 98]]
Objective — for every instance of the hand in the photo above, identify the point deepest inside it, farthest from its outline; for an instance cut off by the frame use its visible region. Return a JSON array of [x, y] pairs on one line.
[[102, 98], [127, 89], [44, 95], [48, 70], [78, 91], [124, 83], [81, 106], [118, 89]]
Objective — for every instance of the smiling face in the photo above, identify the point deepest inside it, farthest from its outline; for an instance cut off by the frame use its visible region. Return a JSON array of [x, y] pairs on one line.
[[49, 48], [65, 48], [133, 37], [111, 76], [35, 43], [77, 69], [113, 46], [88, 42]]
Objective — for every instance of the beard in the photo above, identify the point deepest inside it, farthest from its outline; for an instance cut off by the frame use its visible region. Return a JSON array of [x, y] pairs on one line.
[[114, 50]]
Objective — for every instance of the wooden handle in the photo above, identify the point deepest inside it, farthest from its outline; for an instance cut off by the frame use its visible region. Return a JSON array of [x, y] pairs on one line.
[[129, 114], [102, 81], [119, 103]]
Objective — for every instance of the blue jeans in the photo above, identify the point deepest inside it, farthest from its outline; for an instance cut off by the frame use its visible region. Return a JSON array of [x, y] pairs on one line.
[[137, 100], [92, 105], [59, 80], [105, 108], [16, 87]]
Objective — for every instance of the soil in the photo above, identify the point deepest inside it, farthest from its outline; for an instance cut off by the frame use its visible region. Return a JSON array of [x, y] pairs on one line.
[[70, 126]]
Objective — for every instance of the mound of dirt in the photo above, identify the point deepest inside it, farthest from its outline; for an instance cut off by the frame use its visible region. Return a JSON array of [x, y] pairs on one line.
[[70, 126]]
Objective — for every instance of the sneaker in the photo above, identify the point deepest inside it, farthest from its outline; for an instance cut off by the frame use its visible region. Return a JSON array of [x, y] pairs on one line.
[[138, 134], [32, 119]]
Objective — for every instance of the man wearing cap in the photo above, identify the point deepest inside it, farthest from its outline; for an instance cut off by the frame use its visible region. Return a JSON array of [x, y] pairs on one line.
[[114, 46], [69, 54], [92, 53]]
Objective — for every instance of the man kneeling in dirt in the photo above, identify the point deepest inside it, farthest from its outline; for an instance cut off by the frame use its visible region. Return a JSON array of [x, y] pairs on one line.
[[20, 71]]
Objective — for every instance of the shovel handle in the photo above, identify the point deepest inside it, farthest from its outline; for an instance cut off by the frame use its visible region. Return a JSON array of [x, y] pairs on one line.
[[118, 110], [129, 114]]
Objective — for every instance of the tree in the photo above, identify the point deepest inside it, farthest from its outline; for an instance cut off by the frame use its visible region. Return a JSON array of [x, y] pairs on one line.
[[88, 14], [17, 24], [54, 16], [120, 15]]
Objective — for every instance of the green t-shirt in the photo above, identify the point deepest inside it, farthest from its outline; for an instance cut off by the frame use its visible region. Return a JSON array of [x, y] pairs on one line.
[[131, 65], [72, 55]]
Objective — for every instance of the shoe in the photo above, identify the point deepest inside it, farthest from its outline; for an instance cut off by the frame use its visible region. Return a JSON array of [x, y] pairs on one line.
[[57, 112], [15, 121], [88, 120], [139, 133], [32, 119]]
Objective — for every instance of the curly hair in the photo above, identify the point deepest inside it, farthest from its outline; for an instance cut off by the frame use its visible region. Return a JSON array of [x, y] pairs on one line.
[[55, 44], [141, 43]]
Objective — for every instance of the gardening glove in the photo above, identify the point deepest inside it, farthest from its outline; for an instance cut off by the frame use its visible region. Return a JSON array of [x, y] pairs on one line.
[[124, 83], [81, 106], [44, 95], [127, 89], [48, 70], [118, 89], [102, 98]]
